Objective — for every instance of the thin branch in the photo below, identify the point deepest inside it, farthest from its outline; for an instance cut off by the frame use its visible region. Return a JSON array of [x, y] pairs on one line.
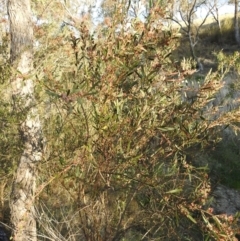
[[204, 20]]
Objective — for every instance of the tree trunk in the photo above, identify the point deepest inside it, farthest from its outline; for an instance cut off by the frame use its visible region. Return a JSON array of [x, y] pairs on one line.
[[236, 26], [199, 65], [218, 20], [24, 185]]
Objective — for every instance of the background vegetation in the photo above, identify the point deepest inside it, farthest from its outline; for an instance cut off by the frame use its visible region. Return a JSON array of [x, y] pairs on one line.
[[122, 129]]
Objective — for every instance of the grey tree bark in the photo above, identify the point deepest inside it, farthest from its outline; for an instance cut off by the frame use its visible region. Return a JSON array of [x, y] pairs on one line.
[[236, 25], [24, 184]]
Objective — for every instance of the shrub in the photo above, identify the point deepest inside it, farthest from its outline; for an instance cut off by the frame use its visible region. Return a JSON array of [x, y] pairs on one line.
[[118, 131]]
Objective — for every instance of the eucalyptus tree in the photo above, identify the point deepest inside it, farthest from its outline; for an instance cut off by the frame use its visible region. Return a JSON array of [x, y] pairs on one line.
[[236, 20], [22, 86], [215, 7], [236, 24], [185, 17]]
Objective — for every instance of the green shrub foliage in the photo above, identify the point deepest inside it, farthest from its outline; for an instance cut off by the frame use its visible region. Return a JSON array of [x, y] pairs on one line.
[[120, 123]]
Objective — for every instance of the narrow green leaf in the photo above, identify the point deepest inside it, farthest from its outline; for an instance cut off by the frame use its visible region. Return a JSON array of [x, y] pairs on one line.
[[166, 128], [174, 191], [53, 94], [191, 218]]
